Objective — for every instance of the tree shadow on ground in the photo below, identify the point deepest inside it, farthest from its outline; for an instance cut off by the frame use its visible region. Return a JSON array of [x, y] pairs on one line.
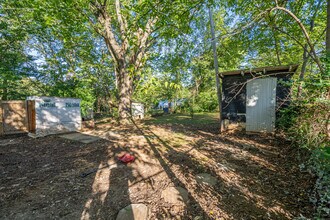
[[254, 182], [41, 177], [110, 188], [192, 207]]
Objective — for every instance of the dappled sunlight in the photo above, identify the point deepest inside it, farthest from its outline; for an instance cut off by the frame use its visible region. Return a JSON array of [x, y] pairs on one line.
[[212, 145], [100, 189], [242, 186], [235, 162], [154, 143], [241, 149], [209, 176], [85, 214], [183, 117], [245, 155], [244, 167], [266, 147], [101, 183], [278, 209], [13, 117]]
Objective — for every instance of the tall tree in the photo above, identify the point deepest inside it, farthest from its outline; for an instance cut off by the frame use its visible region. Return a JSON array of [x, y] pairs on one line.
[[216, 67], [129, 28], [15, 64]]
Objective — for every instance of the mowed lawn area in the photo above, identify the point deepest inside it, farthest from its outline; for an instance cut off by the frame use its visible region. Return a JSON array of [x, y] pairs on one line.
[[184, 169], [185, 119]]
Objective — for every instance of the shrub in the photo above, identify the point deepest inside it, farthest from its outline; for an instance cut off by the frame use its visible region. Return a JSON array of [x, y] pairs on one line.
[[307, 123]]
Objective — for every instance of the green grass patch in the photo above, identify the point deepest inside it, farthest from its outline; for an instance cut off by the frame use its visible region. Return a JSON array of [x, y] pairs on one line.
[[184, 119]]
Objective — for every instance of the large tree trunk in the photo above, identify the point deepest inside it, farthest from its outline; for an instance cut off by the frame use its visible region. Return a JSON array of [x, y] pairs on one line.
[[125, 90]]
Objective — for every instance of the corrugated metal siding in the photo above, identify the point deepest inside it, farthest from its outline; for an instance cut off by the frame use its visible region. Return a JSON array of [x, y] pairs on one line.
[[260, 104]]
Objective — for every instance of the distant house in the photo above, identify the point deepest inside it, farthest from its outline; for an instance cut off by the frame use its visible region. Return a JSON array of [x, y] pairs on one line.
[[162, 104], [255, 96]]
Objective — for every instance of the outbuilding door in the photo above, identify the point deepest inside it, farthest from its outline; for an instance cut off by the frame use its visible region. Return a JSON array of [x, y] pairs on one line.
[[260, 104], [14, 117]]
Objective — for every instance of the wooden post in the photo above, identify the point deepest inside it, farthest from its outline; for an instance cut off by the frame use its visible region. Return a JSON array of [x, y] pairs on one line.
[[216, 67], [31, 115]]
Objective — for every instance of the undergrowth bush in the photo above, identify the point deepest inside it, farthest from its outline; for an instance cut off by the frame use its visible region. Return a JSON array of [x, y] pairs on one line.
[[307, 123], [207, 101], [310, 131]]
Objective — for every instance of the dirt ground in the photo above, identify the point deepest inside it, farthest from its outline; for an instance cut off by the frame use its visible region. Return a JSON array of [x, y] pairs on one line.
[[258, 176]]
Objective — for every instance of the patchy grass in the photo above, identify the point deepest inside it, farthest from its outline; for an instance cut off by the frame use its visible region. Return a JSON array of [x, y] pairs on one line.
[[184, 119]]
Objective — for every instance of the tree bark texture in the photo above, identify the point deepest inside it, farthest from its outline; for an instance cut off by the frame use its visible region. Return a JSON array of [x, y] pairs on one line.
[[125, 88]]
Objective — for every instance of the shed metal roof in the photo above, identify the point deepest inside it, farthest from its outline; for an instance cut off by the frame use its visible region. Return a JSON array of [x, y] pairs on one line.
[[290, 69]]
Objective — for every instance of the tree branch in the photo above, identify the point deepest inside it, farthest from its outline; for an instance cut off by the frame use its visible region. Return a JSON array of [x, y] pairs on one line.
[[302, 27], [122, 26], [110, 40], [295, 39], [143, 42], [246, 26], [297, 20]]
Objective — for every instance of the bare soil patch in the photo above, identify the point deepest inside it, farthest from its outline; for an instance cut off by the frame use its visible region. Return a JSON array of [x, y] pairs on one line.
[[257, 176]]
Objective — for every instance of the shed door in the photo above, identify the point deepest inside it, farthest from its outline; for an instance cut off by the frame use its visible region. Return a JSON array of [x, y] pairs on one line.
[[31, 116], [14, 117], [260, 104]]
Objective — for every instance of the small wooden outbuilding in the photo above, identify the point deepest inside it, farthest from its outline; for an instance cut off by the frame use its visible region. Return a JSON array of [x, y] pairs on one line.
[[52, 115], [40, 116], [255, 96]]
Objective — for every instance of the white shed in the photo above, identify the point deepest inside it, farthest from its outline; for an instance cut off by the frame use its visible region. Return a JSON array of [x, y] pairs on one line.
[[137, 110], [52, 115]]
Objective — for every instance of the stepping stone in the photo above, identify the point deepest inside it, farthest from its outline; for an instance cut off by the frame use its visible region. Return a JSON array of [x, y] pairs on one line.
[[83, 138], [134, 212], [206, 179], [175, 195]]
